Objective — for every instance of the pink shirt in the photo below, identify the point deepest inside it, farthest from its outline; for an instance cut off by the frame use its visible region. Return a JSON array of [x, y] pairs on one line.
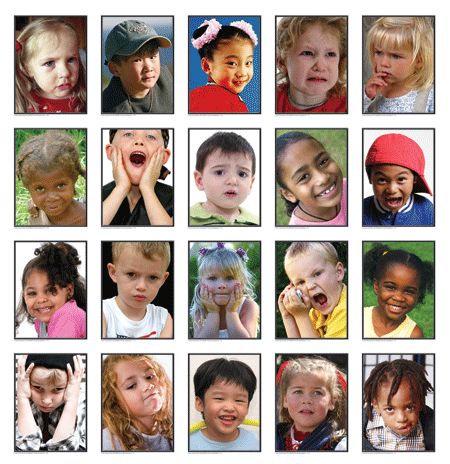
[[69, 321], [339, 220]]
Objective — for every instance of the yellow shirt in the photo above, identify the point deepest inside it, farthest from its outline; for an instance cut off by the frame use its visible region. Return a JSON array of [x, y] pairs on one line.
[[334, 325]]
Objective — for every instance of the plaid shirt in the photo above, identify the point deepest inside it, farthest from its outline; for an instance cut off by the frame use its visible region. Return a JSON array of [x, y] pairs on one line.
[[383, 438], [42, 440]]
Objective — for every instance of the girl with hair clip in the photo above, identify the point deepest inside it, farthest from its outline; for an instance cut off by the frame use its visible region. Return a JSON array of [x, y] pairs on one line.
[[226, 54], [400, 280], [53, 294], [401, 52], [310, 180], [136, 404], [223, 305], [49, 166], [312, 64], [50, 77], [312, 406]]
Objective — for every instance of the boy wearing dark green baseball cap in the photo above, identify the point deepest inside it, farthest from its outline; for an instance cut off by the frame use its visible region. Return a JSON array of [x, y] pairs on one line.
[[139, 83]]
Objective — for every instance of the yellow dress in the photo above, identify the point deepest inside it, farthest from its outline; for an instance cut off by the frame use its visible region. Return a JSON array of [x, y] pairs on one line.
[[404, 330]]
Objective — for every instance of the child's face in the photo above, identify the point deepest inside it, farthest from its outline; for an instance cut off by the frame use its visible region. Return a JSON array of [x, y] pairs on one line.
[[226, 180], [221, 284], [138, 73], [46, 393], [41, 299], [224, 407], [138, 147], [397, 291], [312, 177], [401, 415], [55, 65], [52, 191], [392, 185], [308, 401], [141, 391], [397, 65], [312, 64], [138, 279], [232, 65], [315, 276]]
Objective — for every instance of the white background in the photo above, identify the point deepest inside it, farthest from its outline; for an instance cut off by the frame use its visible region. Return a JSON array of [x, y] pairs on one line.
[[267, 121]]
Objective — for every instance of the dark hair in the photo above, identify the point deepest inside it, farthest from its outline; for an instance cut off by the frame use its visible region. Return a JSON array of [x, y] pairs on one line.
[[149, 47], [379, 258], [225, 34], [229, 371], [396, 371], [164, 133], [282, 143], [60, 262], [228, 143]]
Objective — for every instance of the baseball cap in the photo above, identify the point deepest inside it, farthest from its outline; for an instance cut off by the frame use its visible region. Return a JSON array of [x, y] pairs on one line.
[[127, 37], [402, 151]]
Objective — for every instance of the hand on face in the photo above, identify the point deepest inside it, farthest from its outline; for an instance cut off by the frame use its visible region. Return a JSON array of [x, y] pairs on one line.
[[207, 299], [375, 83], [290, 302], [236, 297], [74, 378], [119, 173], [153, 170], [23, 378]]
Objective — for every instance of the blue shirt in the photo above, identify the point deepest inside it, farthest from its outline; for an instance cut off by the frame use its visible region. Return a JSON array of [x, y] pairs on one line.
[[246, 441], [418, 211]]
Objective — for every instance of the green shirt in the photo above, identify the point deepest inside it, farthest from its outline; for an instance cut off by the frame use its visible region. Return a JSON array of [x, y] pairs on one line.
[[198, 216]]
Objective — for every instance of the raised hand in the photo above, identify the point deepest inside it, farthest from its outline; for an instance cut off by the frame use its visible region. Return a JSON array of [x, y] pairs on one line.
[[119, 173], [294, 302], [375, 83], [235, 299], [152, 171], [74, 380], [23, 378], [207, 299]]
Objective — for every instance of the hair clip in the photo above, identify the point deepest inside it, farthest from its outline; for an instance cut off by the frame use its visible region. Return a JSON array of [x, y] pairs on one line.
[[280, 371], [248, 29], [18, 46], [342, 381], [385, 253], [220, 245], [242, 254], [203, 251], [209, 35]]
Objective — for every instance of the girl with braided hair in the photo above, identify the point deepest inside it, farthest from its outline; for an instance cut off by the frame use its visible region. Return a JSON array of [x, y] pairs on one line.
[[396, 417], [54, 293]]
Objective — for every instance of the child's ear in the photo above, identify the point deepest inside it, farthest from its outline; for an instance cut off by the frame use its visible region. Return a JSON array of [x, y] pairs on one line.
[[280, 64], [205, 66], [113, 68], [166, 274], [109, 149], [340, 271], [376, 287], [167, 154], [199, 404], [253, 180], [415, 179], [112, 272], [198, 180], [288, 195], [70, 291]]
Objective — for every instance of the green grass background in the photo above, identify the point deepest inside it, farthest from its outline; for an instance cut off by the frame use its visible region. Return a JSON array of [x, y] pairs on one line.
[[423, 313], [334, 141], [22, 194]]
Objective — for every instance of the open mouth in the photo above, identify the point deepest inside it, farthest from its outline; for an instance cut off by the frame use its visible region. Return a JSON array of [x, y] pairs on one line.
[[320, 299], [227, 420], [396, 309], [317, 79], [393, 202], [327, 192], [306, 412], [230, 193], [44, 310], [137, 158]]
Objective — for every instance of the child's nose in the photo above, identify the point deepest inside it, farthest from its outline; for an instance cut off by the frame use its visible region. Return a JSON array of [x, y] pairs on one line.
[[232, 179], [140, 284], [63, 69], [148, 63], [319, 64]]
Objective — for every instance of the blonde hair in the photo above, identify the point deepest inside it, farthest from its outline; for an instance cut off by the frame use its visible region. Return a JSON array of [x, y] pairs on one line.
[[413, 33], [52, 375], [147, 249], [326, 249], [223, 260], [326, 369], [290, 28], [115, 414], [29, 40]]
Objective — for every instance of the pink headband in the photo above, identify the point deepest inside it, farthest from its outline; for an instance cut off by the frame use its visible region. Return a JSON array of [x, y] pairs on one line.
[[213, 29]]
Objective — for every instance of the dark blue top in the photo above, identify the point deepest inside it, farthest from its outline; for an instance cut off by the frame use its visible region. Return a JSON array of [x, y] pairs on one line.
[[418, 211]]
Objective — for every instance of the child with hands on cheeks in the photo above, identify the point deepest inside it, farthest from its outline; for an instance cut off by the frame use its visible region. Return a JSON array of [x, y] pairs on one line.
[[224, 389], [401, 52], [312, 64], [137, 403], [312, 406], [396, 417], [314, 304], [49, 75], [310, 181], [400, 280], [222, 306], [48, 166], [53, 295], [51, 412], [136, 197], [395, 166], [226, 54]]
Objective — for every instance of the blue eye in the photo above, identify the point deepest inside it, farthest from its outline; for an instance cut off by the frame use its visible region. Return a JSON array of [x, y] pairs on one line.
[[49, 64]]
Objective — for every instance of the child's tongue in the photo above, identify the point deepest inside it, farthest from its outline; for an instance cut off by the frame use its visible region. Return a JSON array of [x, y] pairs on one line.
[[320, 299], [137, 159]]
